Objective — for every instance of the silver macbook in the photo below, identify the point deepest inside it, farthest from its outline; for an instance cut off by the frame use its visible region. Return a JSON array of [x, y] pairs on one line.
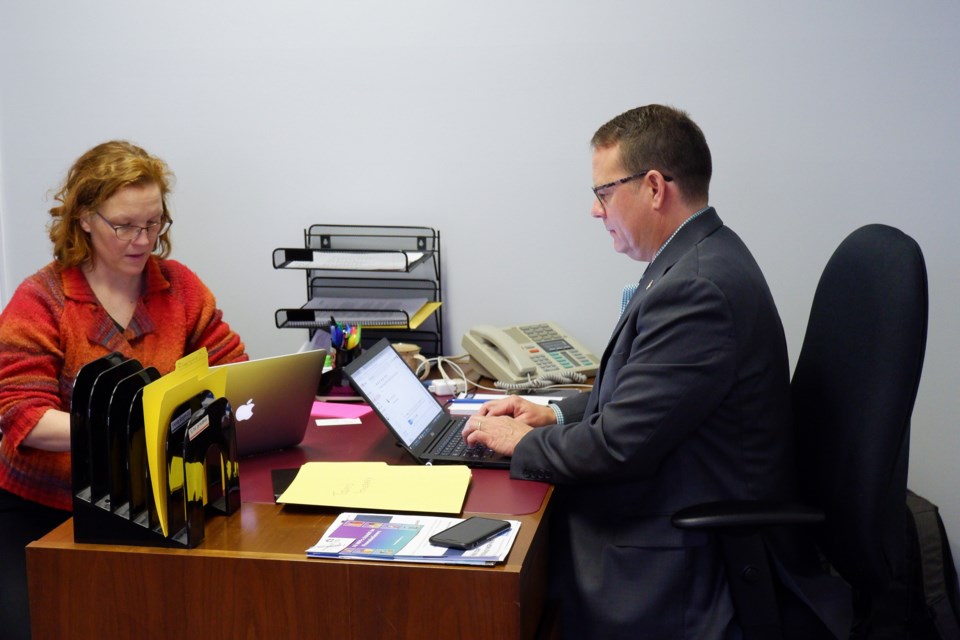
[[272, 398]]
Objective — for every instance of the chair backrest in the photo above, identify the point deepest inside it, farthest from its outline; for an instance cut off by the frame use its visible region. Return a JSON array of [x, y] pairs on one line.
[[853, 392]]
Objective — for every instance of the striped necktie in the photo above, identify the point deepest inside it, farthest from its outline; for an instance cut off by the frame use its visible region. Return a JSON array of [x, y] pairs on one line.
[[628, 292]]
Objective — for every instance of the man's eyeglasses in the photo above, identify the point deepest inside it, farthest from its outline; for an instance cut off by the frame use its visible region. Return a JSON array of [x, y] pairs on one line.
[[130, 232], [604, 190]]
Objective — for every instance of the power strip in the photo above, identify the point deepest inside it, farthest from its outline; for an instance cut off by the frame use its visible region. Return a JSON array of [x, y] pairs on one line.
[[446, 387]]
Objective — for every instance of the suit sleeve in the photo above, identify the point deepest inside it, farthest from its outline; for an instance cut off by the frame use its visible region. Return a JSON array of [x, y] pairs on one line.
[[671, 367], [573, 407]]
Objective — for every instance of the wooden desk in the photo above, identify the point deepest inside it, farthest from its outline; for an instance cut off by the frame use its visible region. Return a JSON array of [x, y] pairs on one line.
[[250, 578]]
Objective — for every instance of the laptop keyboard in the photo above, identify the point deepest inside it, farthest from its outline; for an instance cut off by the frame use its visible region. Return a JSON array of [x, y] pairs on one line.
[[453, 445]]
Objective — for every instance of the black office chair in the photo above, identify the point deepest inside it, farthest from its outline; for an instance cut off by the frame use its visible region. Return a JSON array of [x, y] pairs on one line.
[[853, 393]]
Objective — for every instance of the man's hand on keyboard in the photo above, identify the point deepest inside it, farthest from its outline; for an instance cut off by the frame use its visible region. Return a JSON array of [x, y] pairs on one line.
[[500, 433], [529, 413]]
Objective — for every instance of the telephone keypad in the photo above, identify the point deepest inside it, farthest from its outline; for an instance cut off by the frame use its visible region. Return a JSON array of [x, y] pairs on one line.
[[560, 353], [544, 363]]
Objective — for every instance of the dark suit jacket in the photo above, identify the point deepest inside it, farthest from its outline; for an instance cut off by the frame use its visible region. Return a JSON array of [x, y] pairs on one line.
[[691, 404]]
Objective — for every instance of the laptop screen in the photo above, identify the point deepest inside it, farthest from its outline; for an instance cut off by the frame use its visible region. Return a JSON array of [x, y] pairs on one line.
[[398, 395]]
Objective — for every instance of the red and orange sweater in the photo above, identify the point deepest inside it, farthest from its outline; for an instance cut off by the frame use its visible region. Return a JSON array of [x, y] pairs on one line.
[[54, 324]]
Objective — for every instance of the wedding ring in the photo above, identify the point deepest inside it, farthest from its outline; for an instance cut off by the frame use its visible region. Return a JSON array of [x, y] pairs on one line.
[[479, 423]]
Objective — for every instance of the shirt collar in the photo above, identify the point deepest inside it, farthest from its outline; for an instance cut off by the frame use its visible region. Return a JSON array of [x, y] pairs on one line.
[[676, 231]]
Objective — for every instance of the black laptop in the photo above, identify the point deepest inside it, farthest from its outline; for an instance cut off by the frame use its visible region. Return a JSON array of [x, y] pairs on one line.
[[411, 412]]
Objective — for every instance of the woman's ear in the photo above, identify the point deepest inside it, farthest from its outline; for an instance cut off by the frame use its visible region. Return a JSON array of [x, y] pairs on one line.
[[85, 223]]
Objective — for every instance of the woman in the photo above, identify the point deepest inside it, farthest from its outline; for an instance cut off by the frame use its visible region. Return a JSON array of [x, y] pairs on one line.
[[109, 288]]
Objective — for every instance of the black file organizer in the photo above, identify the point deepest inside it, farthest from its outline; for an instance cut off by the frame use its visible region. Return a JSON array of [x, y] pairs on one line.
[[113, 500], [367, 263]]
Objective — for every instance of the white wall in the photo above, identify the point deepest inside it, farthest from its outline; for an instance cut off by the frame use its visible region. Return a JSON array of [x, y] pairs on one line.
[[3, 252], [475, 119]]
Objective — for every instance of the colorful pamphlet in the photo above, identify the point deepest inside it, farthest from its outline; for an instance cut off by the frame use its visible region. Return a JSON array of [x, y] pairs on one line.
[[405, 538]]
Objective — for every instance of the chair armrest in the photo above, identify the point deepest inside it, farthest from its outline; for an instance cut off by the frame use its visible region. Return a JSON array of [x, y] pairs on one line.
[[722, 515]]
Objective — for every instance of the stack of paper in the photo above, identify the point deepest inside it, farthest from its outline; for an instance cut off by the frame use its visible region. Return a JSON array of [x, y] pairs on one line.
[[358, 260], [469, 404], [402, 538], [376, 313]]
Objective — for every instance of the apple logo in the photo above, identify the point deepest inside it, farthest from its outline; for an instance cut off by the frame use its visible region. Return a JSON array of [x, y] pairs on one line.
[[245, 411]]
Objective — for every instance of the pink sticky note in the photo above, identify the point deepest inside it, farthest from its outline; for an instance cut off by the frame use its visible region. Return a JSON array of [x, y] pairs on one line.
[[339, 410]]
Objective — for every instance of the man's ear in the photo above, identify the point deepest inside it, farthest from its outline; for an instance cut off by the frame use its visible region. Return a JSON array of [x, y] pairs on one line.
[[657, 188]]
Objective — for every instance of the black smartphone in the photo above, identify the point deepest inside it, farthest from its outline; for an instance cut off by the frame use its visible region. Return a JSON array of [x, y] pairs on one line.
[[470, 533]]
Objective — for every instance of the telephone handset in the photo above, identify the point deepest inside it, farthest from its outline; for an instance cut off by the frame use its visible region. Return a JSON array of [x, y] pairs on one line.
[[523, 352]]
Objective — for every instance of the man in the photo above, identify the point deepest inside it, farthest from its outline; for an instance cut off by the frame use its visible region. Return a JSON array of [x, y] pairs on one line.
[[690, 404]]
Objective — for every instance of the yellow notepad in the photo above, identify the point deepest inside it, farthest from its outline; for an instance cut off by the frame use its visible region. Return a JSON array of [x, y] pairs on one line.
[[379, 486]]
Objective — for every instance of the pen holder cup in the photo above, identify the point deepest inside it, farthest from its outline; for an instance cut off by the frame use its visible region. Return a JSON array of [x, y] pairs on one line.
[[334, 383]]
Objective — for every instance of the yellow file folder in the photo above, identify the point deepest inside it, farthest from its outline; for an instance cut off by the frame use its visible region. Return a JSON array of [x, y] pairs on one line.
[[191, 376], [379, 486]]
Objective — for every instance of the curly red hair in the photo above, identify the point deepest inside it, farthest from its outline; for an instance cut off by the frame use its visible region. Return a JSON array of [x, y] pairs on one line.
[[96, 176]]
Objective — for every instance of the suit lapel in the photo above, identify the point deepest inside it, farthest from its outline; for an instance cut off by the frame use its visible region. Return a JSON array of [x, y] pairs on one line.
[[687, 238]]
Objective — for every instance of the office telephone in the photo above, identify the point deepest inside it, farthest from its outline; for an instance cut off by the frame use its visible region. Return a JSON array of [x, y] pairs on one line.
[[520, 353]]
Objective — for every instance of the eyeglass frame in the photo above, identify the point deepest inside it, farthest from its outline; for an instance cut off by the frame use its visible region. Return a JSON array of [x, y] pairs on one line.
[[616, 183], [164, 226]]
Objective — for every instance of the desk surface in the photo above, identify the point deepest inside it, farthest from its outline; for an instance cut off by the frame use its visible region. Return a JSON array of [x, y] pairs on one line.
[[250, 577], [491, 490]]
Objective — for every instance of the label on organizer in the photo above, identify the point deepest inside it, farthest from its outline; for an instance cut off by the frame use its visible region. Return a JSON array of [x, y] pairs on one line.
[[198, 428], [180, 421]]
